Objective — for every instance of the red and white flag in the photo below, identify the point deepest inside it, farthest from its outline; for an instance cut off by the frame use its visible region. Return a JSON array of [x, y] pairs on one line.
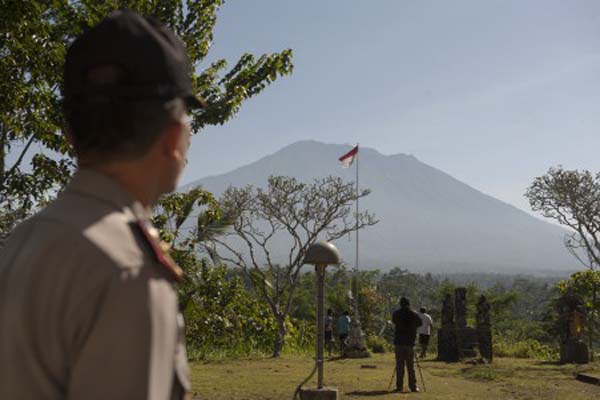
[[349, 157]]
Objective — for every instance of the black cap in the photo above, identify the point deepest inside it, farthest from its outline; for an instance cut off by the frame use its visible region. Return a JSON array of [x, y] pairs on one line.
[[128, 56]]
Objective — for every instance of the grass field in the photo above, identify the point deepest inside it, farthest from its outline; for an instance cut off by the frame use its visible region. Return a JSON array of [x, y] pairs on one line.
[[505, 379]]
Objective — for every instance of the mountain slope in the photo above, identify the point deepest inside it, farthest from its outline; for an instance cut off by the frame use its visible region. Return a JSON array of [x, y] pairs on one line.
[[428, 220]]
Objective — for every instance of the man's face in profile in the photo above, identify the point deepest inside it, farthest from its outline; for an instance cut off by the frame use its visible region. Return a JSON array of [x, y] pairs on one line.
[[180, 153]]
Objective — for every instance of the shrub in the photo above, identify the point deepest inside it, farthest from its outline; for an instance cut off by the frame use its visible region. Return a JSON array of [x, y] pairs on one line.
[[528, 348], [377, 344], [222, 318]]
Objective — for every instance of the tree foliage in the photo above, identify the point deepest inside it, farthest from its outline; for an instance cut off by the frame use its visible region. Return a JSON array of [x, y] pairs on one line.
[[221, 315], [35, 160], [186, 221], [571, 198], [582, 283], [298, 213]]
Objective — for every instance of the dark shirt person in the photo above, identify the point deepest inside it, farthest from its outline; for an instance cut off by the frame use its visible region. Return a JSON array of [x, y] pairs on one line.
[[88, 307], [343, 328], [406, 322]]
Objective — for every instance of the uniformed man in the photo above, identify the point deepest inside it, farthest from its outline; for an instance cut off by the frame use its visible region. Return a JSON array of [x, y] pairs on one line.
[[87, 304]]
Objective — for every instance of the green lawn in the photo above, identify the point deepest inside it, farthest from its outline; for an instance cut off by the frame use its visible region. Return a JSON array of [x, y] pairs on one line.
[[505, 379]]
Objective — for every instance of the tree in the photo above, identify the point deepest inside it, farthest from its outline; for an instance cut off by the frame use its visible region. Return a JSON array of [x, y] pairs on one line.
[[572, 198], [220, 314], [34, 36], [289, 210], [371, 303], [186, 234], [31, 53]]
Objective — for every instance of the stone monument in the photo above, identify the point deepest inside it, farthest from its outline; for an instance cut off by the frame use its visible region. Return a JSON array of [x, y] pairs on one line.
[[466, 337], [460, 307], [571, 317], [447, 349], [484, 330], [456, 340]]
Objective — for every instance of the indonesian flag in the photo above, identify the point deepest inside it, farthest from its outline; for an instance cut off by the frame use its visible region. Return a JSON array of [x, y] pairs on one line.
[[349, 157]]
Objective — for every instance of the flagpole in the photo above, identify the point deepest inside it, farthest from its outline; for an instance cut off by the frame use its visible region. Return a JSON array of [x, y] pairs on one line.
[[356, 342], [356, 347], [355, 286], [356, 226]]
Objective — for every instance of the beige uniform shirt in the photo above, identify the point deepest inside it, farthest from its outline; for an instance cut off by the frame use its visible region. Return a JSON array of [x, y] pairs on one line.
[[87, 311]]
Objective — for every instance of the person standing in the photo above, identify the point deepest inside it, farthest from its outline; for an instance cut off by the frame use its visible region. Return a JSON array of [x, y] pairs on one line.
[[329, 330], [88, 307], [343, 327], [424, 331], [406, 322]]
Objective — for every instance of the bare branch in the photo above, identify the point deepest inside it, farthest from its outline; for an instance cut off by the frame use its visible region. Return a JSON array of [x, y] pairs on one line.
[[19, 159], [572, 198]]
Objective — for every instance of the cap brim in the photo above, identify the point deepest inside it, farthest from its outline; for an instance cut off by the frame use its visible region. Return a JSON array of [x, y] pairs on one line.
[[194, 102]]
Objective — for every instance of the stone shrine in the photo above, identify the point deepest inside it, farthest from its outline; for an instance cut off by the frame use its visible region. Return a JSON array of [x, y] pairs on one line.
[[571, 318], [484, 329], [456, 340]]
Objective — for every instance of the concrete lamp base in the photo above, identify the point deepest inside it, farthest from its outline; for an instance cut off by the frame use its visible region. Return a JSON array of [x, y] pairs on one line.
[[325, 393]]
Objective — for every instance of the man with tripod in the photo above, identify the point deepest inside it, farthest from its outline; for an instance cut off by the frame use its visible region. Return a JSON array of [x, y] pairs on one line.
[[406, 322]]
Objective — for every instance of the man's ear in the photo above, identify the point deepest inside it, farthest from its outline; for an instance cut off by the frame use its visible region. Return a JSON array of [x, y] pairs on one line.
[[69, 136], [170, 141]]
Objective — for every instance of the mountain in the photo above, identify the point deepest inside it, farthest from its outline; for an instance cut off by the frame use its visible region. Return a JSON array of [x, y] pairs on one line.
[[428, 220]]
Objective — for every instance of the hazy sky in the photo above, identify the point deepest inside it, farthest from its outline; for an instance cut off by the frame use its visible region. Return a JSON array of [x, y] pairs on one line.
[[491, 92]]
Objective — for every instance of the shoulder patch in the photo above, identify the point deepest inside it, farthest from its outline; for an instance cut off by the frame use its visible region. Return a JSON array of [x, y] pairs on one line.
[[160, 251]]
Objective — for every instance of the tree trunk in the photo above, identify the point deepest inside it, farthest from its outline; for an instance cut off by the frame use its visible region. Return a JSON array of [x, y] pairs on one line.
[[3, 154], [281, 332], [592, 321]]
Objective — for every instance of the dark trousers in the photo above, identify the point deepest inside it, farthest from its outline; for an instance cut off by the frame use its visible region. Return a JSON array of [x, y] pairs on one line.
[[343, 337], [424, 342], [405, 355]]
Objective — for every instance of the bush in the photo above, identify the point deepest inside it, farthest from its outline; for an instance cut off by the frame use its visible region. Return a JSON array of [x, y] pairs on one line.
[[222, 318], [528, 348], [378, 344], [300, 338]]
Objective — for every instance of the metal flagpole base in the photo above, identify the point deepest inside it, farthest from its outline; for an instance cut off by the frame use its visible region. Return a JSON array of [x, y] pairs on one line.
[[356, 347]]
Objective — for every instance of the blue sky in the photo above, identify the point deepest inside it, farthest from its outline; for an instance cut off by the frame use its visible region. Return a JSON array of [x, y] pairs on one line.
[[491, 92]]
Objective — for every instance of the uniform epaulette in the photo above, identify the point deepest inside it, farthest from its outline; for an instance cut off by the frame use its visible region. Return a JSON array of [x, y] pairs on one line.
[[161, 251]]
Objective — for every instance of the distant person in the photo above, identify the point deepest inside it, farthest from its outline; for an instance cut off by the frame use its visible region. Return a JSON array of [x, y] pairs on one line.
[[406, 321], [343, 327], [329, 330], [424, 331]]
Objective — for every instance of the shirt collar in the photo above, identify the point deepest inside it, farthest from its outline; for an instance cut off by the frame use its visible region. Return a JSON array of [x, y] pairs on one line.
[[104, 188]]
